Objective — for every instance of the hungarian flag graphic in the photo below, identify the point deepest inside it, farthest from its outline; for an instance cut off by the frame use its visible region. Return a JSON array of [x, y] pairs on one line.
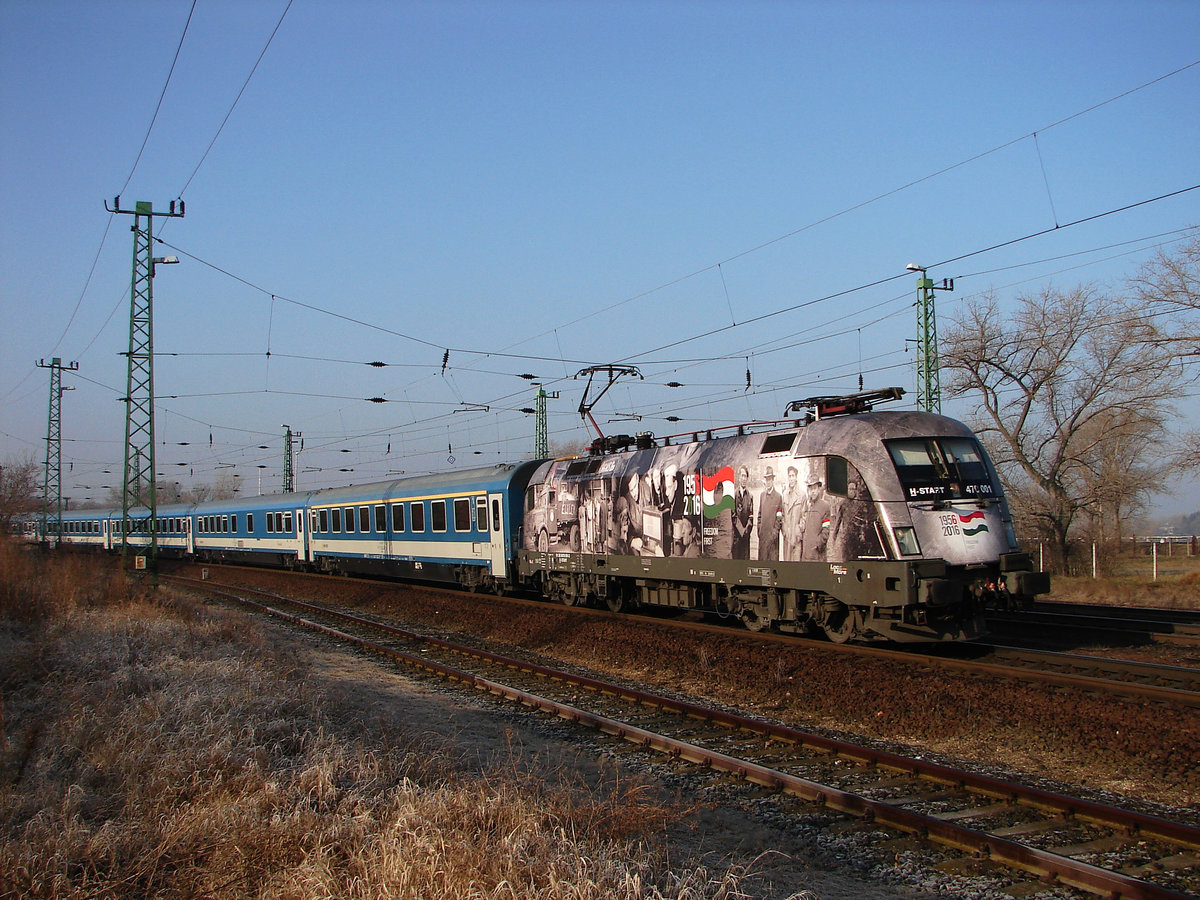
[[714, 486], [971, 530]]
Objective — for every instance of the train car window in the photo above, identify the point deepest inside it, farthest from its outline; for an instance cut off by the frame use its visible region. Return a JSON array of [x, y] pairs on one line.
[[397, 517], [837, 478], [462, 514], [481, 522], [250, 523], [323, 520], [337, 520], [381, 518], [270, 519], [287, 523], [778, 443], [233, 524], [349, 520], [364, 519], [437, 515], [416, 516], [495, 515]]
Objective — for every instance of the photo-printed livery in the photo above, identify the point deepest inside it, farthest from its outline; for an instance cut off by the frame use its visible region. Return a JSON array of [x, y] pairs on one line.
[[862, 525], [865, 526]]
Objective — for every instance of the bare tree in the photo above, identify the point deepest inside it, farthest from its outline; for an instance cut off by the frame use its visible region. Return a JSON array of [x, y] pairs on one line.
[[1172, 280], [20, 481], [1074, 391], [1170, 284]]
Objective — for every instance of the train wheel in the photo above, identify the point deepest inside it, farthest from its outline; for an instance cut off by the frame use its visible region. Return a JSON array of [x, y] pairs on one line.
[[841, 622], [543, 541], [754, 622]]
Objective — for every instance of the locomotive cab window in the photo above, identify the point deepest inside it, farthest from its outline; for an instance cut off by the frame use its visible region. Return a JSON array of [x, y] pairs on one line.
[[941, 468]]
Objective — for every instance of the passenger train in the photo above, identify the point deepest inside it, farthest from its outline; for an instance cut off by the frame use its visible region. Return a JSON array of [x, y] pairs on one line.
[[860, 524]]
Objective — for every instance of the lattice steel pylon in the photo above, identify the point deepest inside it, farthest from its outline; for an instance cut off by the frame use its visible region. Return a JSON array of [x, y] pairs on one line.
[[929, 383], [52, 490], [289, 458], [541, 437], [138, 487]]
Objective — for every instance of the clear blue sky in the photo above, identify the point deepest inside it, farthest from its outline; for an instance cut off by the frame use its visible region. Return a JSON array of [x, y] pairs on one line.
[[539, 186]]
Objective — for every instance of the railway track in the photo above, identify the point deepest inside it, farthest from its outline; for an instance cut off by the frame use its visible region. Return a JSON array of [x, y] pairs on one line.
[[1056, 622], [1172, 685], [1104, 850]]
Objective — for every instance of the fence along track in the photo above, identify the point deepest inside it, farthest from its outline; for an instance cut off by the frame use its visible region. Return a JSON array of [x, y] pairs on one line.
[[1163, 847]]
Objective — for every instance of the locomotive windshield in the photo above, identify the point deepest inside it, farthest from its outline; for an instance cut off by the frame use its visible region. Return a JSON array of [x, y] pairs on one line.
[[942, 468]]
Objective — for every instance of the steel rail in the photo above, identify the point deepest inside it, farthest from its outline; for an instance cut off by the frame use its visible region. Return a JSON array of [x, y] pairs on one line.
[[1145, 690], [1059, 868]]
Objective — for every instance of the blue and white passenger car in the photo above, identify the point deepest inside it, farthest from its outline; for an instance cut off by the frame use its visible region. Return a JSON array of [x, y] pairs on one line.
[[457, 527]]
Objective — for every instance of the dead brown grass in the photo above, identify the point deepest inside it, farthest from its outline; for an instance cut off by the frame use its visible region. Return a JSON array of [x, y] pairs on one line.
[[154, 747]]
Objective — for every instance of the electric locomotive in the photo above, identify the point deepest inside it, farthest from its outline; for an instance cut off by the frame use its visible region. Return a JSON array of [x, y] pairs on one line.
[[864, 525]]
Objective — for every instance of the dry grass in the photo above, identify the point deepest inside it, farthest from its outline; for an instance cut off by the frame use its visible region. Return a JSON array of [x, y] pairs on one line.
[[159, 748], [1128, 580]]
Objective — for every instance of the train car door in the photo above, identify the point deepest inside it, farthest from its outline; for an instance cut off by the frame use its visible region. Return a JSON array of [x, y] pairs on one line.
[[496, 542], [105, 539], [301, 536], [189, 542]]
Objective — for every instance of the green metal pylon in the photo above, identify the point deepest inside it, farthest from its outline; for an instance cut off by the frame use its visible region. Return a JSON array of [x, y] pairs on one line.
[[138, 487], [52, 489], [929, 384]]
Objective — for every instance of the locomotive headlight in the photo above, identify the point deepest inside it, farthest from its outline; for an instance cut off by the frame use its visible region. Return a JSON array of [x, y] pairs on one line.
[[906, 539]]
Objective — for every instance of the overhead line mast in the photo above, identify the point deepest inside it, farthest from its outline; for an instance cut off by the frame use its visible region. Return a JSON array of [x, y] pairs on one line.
[[138, 487], [929, 383], [52, 491]]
